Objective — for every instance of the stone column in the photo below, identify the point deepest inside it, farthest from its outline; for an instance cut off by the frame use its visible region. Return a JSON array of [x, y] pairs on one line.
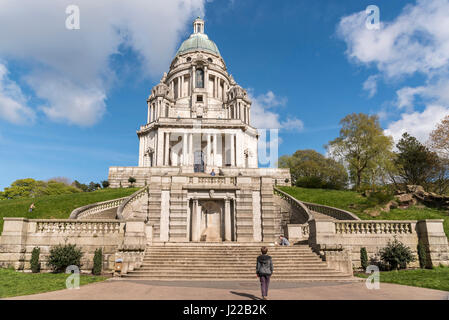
[[257, 217], [182, 85], [206, 81], [167, 149], [196, 221], [184, 150], [227, 220], [214, 157], [191, 149], [232, 150], [239, 150], [208, 149], [193, 79], [160, 148]]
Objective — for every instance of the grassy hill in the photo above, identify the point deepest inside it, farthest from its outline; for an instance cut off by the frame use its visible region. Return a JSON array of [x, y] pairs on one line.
[[356, 203], [57, 206]]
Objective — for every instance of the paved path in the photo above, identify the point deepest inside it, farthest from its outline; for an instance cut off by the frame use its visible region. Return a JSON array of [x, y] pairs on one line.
[[156, 290]]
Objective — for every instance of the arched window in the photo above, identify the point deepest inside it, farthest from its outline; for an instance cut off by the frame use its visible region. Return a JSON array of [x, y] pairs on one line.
[[199, 77]]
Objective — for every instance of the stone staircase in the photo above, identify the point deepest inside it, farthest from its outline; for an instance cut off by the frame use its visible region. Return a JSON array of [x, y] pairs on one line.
[[207, 261]]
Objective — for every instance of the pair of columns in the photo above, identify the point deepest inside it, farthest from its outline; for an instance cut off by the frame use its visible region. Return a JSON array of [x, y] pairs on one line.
[[188, 149], [196, 220]]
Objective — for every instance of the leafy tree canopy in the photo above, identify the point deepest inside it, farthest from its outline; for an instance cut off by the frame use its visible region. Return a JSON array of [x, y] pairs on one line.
[[311, 169]]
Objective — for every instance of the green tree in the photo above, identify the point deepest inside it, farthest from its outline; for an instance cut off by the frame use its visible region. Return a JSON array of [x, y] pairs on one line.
[[105, 184], [416, 164], [309, 168], [131, 180], [83, 187], [93, 186], [30, 188], [360, 143]]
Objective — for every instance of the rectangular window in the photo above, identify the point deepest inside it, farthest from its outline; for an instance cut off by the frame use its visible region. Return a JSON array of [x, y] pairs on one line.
[[199, 98]]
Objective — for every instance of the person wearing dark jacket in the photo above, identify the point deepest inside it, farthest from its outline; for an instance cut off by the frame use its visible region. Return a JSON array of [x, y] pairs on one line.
[[264, 270]]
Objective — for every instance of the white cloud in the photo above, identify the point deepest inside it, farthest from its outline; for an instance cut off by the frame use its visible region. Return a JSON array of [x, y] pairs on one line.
[[292, 124], [76, 63], [264, 115], [415, 42], [13, 103], [370, 85], [417, 124]]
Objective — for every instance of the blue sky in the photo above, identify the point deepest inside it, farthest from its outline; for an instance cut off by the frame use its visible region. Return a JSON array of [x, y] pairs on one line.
[[72, 100]]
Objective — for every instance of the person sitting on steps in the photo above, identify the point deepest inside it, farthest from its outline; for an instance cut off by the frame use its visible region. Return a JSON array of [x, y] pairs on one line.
[[283, 241]]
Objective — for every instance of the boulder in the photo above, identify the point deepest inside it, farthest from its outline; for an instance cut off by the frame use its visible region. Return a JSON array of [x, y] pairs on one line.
[[412, 188], [404, 198], [390, 205]]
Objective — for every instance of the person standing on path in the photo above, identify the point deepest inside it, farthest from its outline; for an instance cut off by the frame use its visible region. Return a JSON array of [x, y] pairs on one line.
[[264, 270]]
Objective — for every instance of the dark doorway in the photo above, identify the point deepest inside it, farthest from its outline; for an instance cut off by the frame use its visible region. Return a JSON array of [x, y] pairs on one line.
[[198, 162]]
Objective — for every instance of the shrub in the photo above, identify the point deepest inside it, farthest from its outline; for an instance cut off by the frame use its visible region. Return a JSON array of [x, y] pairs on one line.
[[131, 180], [363, 258], [63, 256], [396, 255], [98, 262], [105, 184], [422, 255], [35, 264]]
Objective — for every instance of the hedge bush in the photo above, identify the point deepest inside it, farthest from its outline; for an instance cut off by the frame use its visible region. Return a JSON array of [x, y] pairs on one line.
[[63, 256], [396, 255], [364, 258], [98, 262], [35, 264], [422, 255]]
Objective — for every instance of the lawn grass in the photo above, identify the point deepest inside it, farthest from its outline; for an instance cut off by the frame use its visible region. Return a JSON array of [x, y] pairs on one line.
[[356, 203], [14, 283], [57, 206], [437, 278]]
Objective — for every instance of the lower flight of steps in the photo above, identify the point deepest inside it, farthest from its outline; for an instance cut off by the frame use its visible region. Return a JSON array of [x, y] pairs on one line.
[[185, 262]]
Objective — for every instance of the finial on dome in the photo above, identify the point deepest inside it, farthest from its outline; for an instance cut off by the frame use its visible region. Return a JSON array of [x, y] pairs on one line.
[[198, 25]]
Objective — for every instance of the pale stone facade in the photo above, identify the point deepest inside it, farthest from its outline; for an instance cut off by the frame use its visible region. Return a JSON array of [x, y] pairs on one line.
[[197, 114], [199, 120]]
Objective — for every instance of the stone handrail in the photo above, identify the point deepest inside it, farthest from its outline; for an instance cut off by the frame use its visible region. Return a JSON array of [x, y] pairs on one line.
[[336, 213], [68, 226], [90, 209], [129, 200], [375, 227], [294, 202], [213, 180]]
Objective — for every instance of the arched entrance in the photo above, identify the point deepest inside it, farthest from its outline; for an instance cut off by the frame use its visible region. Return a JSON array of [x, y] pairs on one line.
[[211, 220]]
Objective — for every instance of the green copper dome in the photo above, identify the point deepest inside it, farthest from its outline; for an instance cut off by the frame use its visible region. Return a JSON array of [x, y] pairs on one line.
[[198, 40]]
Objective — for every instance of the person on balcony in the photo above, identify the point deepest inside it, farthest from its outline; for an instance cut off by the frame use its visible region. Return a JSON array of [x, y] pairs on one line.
[[212, 173]]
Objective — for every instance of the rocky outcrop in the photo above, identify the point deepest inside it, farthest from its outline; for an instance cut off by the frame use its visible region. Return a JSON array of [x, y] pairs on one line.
[[415, 194]]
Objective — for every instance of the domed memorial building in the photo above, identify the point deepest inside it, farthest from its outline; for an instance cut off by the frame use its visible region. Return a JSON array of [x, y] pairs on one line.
[[203, 207], [199, 121]]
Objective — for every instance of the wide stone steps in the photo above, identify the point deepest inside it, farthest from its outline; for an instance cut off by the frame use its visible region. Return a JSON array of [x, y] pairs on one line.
[[213, 262]]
